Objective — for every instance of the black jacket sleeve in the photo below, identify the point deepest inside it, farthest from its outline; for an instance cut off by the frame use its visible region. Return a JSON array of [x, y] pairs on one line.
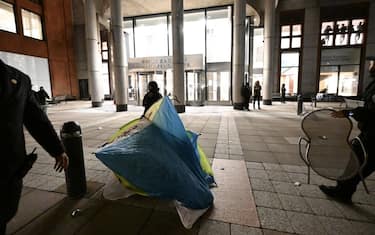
[[40, 127]]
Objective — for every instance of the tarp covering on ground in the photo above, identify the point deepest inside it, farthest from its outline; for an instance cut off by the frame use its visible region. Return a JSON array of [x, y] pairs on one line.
[[156, 156]]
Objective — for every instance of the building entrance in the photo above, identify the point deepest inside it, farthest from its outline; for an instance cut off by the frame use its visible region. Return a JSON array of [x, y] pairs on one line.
[[194, 88], [141, 81]]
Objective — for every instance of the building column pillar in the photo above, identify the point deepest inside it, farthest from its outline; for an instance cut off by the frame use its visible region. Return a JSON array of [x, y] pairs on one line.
[[178, 55], [119, 60], [311, 35], [238, 52], [370, 44], [269, 53], [93, 55]]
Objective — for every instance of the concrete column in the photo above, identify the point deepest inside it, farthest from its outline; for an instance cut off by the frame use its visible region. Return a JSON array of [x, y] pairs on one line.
[[269, 53], [120, 70], [311, 34], [93, 55], [370, 44], [238, 52], [178, 54]]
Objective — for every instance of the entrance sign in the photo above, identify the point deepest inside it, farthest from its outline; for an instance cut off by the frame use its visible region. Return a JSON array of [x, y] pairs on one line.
[[162, 63]]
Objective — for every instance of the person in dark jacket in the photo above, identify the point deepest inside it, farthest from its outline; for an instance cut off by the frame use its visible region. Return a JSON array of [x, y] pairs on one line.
[[283, 90], [20, 108], [257, 90], [42, 95], [151, 96], [365, 116], [246, 94]]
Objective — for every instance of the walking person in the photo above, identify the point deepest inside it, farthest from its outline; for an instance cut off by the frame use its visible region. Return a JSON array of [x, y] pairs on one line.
[[20, 109], [365, 116], [257, 91], [42, 95]]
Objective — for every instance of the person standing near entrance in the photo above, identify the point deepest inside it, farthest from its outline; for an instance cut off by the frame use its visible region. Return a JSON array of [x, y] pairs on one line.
[[246, 94], [151, 96], [257, 90], [19, 109], [283, 90], [365, 116]]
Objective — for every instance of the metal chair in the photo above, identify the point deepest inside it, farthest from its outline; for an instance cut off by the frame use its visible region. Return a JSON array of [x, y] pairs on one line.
[[326, 147]]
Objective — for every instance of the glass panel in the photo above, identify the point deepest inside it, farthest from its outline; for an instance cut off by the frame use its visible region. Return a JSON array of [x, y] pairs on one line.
[[285, 30], [151, 37], [32, 25], [285, 43], [296, 42], [194, 33], [358, 27], [342, 56], [296, 30], [132, 88], [289, 59], [342, 26], [289, 72], [328, 79], [212, 86], [219, 31], [105, 77], [341, 39], [349, 77], [327, 40], [224, 86], [327, 27], [289, 77], [158, 77], [7, 20], [258, 45], [169, 85], [129, 39], [104, 46], [105, 55]]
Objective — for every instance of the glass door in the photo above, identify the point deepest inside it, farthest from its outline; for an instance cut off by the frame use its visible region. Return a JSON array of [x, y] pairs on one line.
[[218, 86], [143, 80], [194, 91]]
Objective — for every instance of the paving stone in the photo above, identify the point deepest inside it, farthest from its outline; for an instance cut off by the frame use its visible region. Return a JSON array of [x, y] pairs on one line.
[[285, 187], [294, 203], [92, 188], [255, 173], [357, 212], [364, 198], [274, 219], [165, 223], [221, 156], [267, 199], [272, 167], [115, 218], [295, 169], [278, 176], [259, 156], [254, 165], [244, 230], [305, 223], [337, 226], [297, 177], [273, 232], [363, 228], [213, 227], [308, 190], [261, 185], [324, 207]]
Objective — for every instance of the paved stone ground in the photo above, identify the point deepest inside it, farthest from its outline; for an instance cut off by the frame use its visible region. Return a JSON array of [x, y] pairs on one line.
[[265, 140]]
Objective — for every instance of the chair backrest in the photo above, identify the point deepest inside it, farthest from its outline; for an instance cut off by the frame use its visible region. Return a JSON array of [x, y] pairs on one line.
[[330, 153]]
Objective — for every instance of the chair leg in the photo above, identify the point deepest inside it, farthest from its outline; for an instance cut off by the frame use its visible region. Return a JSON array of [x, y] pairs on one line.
[[364, 183]]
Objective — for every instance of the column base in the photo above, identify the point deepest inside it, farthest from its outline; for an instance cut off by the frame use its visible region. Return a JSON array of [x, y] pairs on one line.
[[238, 106], [96, 104], [267, 102], [121, 107], [180, 108]]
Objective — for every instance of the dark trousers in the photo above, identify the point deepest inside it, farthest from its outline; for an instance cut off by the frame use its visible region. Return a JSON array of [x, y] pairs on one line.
[[9, 202], [256, 98], [349, 186]]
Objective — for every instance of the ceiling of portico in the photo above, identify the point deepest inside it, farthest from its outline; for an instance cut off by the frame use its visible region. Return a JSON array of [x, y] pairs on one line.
[[147, 7]]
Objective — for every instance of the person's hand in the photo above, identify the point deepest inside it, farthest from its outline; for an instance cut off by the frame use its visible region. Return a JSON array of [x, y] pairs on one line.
[[338, 114], [62, 162]]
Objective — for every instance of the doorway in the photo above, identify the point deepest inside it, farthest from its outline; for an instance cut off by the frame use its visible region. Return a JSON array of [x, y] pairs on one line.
[[194, 88], [143, 78]]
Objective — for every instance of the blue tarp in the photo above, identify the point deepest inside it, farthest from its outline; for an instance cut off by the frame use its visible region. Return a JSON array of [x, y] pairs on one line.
[[162, 160]]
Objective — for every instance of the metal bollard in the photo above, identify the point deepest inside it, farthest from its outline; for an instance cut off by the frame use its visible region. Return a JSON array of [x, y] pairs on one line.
[[299, 104], [75, 177]]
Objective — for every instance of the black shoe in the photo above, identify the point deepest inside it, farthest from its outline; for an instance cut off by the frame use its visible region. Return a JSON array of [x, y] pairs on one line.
[[335, 193]]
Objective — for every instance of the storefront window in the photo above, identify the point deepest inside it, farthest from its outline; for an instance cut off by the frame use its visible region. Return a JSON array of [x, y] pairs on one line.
[[342, 32], [7, 19], [289, 72], [32, 24], [291, 36], [129, 37], [194, 33], [219, 39], [339, 71], [151, 37], [258, 45]]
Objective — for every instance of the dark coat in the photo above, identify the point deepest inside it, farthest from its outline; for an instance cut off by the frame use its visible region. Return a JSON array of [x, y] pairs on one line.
[[19, 108], [150, 98]]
